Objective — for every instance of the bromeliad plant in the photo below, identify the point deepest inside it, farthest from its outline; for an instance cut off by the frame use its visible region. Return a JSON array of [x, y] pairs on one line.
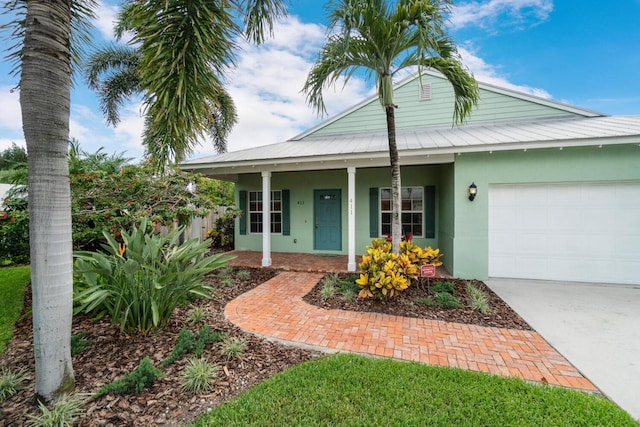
[[384, 274], [142, 279]]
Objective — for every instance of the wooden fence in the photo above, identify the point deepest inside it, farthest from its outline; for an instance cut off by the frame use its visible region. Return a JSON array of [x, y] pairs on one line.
[[199, 226]]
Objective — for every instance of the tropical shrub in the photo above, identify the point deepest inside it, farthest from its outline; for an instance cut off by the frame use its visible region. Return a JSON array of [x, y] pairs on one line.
[[14, 237], [106, 200], [134, 382], [418, 255], [140, 280], [79, 343], [14, 227], [189, 342], [384, 274], [441, 287], [222, 235], [103, 201]]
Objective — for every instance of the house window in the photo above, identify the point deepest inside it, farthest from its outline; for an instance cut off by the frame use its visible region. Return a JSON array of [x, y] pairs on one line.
[[412, 210], [255, 211]]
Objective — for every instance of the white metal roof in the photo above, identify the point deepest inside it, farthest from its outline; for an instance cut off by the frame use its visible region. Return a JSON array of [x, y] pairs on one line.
[[422, 145]]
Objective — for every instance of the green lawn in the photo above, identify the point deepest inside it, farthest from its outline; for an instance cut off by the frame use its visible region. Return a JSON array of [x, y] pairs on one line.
[[12, 283], [349, 390]]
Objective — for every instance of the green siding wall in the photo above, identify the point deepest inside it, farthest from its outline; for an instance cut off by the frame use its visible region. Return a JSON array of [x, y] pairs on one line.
[[446, 213], [301, 186], [412, 112], [582, 164]]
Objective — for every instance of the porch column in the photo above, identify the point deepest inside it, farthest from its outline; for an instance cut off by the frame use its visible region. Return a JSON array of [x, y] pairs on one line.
[[266, 219], [351, 265]]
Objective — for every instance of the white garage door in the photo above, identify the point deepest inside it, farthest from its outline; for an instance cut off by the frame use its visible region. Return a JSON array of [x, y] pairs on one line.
[[574, 232]]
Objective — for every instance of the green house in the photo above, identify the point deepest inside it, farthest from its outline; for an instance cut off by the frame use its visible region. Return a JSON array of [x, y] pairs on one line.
[[558, 187]]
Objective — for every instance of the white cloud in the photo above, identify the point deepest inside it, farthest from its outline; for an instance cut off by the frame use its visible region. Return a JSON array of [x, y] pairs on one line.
[[490, 74], [7, 143], [91, 130], [266, 88], [10, 113], [106, 16], [500, 13]]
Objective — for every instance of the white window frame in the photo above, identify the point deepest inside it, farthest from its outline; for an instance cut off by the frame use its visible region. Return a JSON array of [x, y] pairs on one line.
[[255, 212], [410, 206]]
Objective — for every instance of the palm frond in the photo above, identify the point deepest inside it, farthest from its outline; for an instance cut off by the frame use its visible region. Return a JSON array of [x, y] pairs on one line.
[[260, 17], [381, 38]]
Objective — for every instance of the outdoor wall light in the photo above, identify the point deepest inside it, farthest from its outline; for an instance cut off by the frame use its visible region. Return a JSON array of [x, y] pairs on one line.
[[473, 190]]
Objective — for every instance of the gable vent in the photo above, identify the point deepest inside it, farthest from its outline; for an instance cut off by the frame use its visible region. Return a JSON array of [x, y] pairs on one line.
[[425, 92]]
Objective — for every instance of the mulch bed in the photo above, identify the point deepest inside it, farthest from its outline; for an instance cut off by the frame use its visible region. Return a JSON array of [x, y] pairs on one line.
[[500, 315], [112, 354]]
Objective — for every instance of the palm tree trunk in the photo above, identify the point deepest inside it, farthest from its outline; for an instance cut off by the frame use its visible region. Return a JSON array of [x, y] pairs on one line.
[[396, 183], [45, 101]]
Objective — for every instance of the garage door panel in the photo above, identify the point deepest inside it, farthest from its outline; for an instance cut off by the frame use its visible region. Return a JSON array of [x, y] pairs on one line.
[[564, 196], [534, 198], [628, 194], [504, 219], [581, 232], [534, 243], [563, 219], [502, 243], [626, 246], [533, 218], [529, 269], [507, 264]]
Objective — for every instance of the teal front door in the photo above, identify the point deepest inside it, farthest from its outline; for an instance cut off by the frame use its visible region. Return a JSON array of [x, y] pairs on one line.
[[327, 220]]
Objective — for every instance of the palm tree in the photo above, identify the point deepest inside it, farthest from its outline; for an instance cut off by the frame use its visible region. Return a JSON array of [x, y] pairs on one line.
[[48, 38], [382, 38], [184, 50], [112, 72], [43, 56]]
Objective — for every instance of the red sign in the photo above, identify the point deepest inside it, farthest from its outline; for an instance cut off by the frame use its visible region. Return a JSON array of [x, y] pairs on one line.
[[428, 270]]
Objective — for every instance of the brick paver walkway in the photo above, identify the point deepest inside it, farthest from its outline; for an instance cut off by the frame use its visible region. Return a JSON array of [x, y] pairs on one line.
[[275, 309]]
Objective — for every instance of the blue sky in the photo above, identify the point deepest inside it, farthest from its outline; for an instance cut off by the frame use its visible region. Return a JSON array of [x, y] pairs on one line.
[[579, 52]]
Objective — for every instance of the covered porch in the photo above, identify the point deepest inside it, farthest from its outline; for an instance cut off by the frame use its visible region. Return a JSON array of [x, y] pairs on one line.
[[290, 261]]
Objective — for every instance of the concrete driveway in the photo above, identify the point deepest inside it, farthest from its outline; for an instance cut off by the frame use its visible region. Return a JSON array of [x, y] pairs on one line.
[[595, 326]]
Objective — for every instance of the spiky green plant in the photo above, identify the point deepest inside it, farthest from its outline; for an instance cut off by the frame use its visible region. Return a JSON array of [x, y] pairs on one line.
[[234, 348], [11, 381], [141, 280], [478, 299], [65, 412], [196, 315], [198, 376], [243, 275]]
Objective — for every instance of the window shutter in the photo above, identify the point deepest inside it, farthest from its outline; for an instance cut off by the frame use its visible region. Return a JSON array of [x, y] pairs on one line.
[[430, 212], [242, 203], [286, 220], [374, 214]]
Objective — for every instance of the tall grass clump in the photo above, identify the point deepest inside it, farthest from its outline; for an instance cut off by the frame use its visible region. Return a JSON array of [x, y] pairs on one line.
[[142, 279], [11, 381], [66, 412], [478, 299], [199, 376]]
